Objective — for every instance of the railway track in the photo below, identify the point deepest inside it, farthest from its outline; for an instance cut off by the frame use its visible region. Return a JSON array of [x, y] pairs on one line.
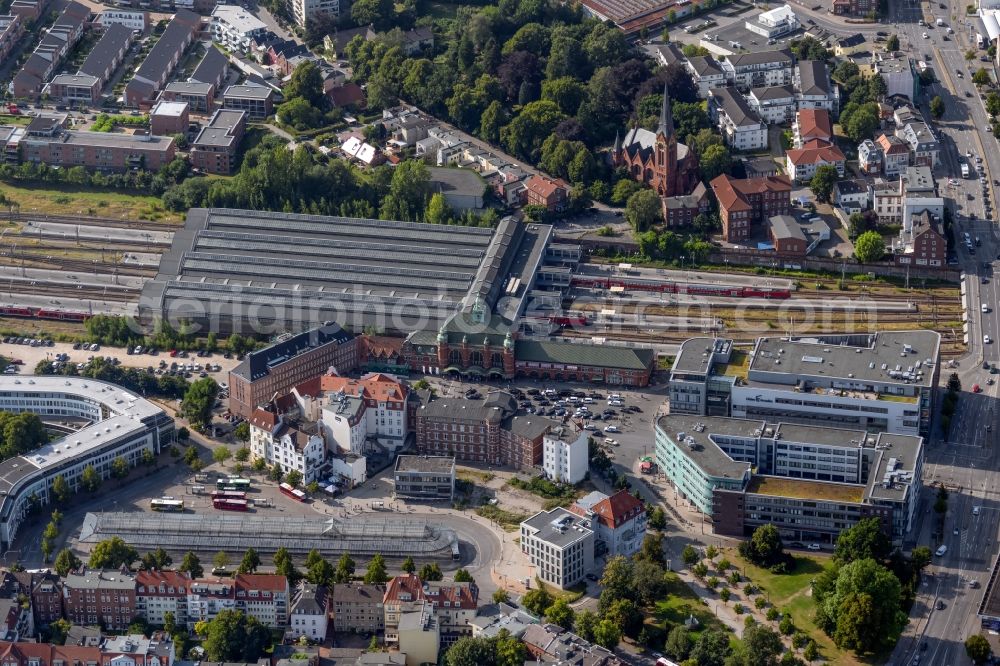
[[14, 288], [56, 242], [33, 260], [143, 225]]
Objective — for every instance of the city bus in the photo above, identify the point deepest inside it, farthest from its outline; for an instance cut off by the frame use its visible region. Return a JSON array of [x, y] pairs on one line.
[[166, 505], [229, 504], [294, 493], [233, 483], [228, 494]]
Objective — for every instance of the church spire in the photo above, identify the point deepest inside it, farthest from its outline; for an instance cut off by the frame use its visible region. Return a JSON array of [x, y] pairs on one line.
[[666, 127], [618, 144]]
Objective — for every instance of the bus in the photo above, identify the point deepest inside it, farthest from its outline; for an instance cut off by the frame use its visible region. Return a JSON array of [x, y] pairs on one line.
[[229, 504], [166, 505], [233, 483], [294, 493], [228, 494]]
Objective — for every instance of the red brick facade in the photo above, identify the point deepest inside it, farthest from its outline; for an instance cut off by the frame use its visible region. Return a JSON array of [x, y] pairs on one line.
[[750, 201]]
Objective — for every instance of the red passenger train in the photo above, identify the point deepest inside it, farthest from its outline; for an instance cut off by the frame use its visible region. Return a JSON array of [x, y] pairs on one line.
[[43, 313], [666, 287]]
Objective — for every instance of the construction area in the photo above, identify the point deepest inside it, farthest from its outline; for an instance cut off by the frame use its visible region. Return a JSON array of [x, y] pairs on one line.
[[361, 535]]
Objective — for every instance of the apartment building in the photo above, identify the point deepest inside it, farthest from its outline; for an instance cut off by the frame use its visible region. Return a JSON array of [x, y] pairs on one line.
[[207, 597], [759, 69], [550, 194], [132, 20], [108, 53], [566, 455], [619, 521], [235, 28], [168, 118], [899, 74], [217, 145], [11, 31], [748, 202], [357, 608], [133, 649], [160, 592], [99, 597], [275, 370], [774, 104], [424, 478], [51, 51], [306, 12], [814, 88], [264, 596], [922, 242], [895, 154], [157, 650], [707, 74], [309, 613], [490, 431], [72, 89], [154, 71], [257, 101], [811, 124], [17, 622], [925, 149], [801, 163], [810, 481], [452, 604], [551, 644], [560, 545], [45, 590], [740, 126], [291, 443]]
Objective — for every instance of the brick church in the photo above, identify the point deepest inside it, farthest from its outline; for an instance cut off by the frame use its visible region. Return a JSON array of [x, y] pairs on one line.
[[668, 166]]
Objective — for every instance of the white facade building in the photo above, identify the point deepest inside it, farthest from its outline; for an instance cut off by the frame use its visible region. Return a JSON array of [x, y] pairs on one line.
[[308, 11], [759, 69], [560, 545], [565, 461], [775, 23], [309, 612], [619, 521], [133, 20], [741, 128], [235, 27], [291, 447]]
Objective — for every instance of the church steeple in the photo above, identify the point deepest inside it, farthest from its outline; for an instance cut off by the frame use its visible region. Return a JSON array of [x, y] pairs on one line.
[[666, 127]]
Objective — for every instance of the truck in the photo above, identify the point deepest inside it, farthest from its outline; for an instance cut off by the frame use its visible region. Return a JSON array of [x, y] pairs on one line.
[[939, 22], [965, 170]]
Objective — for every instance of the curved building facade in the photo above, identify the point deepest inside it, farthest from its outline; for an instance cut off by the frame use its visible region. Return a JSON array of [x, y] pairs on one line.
[[118, 423]]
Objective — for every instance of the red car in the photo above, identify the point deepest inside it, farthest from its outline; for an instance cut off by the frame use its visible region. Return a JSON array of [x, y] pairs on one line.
[[976, 388], [173, 353], [16, 361]]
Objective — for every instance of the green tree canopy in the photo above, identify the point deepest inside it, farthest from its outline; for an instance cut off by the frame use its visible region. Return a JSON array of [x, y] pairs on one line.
[[643, 210], [862, 612], [561, 614], [65, 562], [112, 553], [250, 562], [192, 565], [376, 572], [199, 401], [869, 247], [863, 540], [977, 648], [823, 180], [233, 636]]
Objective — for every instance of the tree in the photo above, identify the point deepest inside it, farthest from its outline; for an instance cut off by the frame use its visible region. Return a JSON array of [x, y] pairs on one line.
[[607, 634], [158, 559], [679, 643], [368, 12], [658, 519], [501, 596], [58, 631], [408, 565], [862, 612], [712, 648], [993, 103], [954, 383], [431, 572], [320, 572], [525, 134], [652, 550], [250, 562], [617, 581], [823, 181], [537, 600], [376, 570], [293, 478], [285, 566], [221, 560], [981, 77], [60, 489], [864, 540], [643, 210], [585, 624], [199, 401], [469, 651], [409, 192], [937, 107], [560, 613], [233, 636], [66, 561], [306, 82], [345, 569], [192, 565], [760, 647], [715, 161], [920, 557], [978, 648], [112, 553], [438, 211], [625, 614], [869, 247], [90, 479], [220, 454], [811, 653], [242, 432], [786, 626], [764, 547], [690, 555], [891, 44], [463, 576], [119, 468]]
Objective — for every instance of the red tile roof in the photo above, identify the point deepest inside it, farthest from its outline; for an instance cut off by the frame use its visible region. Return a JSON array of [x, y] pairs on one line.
[[617, 509], [544, 187], [152, 580], [815, 152], [815, 124], [892, 145], [732, 193], [270, 582], [374, 386], [404, 585]]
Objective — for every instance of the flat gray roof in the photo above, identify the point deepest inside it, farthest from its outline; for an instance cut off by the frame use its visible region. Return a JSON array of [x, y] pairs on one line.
[[851, 358], [574, 527], [111, 139], [810, 434], [695, 354], [903, 452], [248, 92], [705, 453], [219, 131], [431, 464]]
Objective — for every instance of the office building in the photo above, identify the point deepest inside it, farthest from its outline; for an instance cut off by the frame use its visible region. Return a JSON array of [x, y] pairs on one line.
[[619, 521], [560, 545], [424, 478]]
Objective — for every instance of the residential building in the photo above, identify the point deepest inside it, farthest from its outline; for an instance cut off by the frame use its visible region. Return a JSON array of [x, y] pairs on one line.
[[924, 146], [108, 53], [870, 157], [916, 190], [99, 597], [811, 482], [427, 478], [51, 51], [618, 521], [11, 30], [452, 606], [850, 45], [160, 592], [815, 90], [851, 195], [45, 141], [811, 124], [197, 95], [212, 69], [899, 74], [566, 456], [306, 12], [801, 163], [207, 597], [551, 644], [235, 28], [351, 412], [357, 608], [560, 545], [17, 621], [154, 71], [263, 596], [741, 128], [131, 20], [680, 211], [418, 635], [548, 193], [133, 649], [759, 69], [217, 145], [922, 242], [28, 10], [787, 237], [658, 158], [45, 590], [775, 104], [283, 440], [855, 7], [73, 89], [309, 613], [167, 118], [490, 431], [744, 203], [670, 54], [112, 422], [157, 650], [895, 154], [707, 74], [276, 369], [257, 101]]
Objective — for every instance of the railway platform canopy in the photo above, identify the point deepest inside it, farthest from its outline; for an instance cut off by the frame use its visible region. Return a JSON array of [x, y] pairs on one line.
[[360, 535]]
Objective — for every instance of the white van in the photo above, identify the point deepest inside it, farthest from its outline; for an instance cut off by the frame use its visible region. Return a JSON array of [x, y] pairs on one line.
[[942, 549]]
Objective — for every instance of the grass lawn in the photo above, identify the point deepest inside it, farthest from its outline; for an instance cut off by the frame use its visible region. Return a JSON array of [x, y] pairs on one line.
[[680, 603], [792, 592], [57, 199], [510, 521], [571, 595]]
